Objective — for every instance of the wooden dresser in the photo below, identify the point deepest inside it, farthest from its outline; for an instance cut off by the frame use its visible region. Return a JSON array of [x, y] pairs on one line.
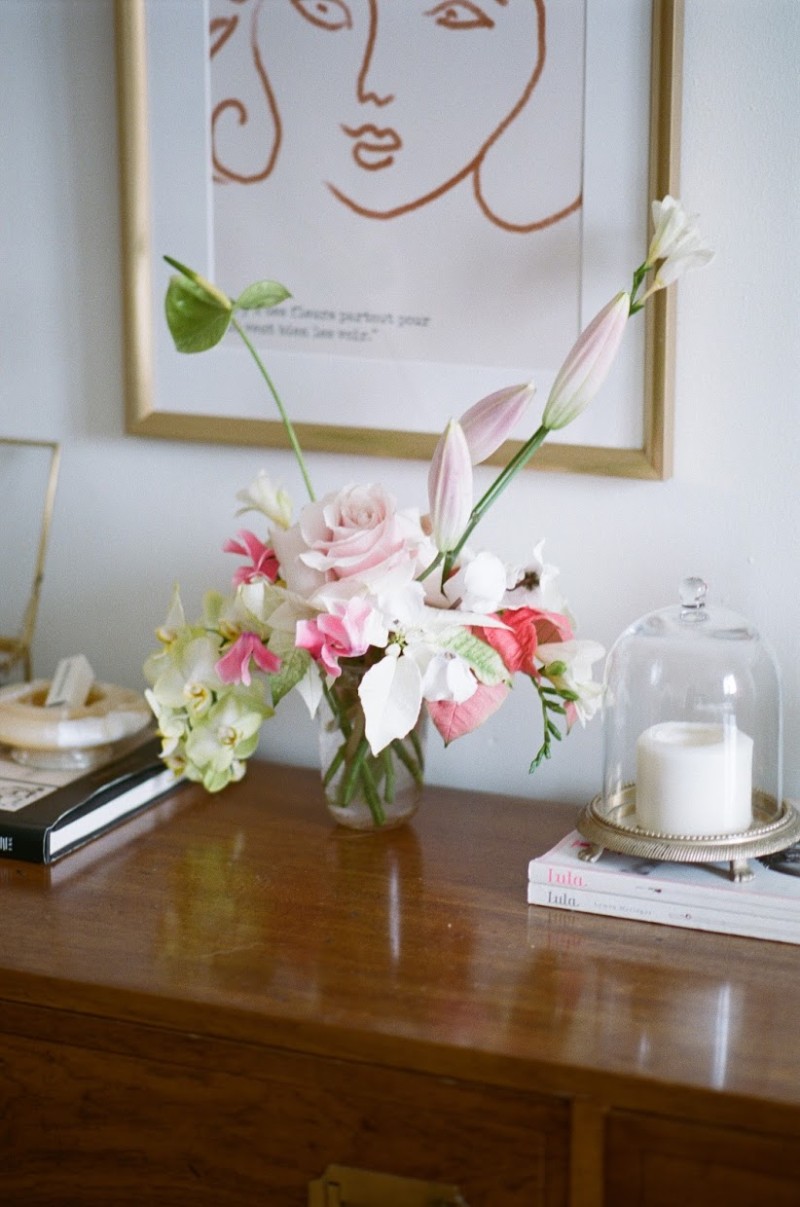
[[227, 996]]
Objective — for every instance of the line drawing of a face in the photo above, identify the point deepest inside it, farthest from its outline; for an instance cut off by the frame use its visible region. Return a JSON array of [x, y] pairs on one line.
[[399, 117]]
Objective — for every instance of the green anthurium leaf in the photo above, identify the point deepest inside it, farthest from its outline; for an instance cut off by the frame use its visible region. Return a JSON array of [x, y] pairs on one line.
[[485, 661], [196, 317], [261, 295], [294, 664], [206, 285]]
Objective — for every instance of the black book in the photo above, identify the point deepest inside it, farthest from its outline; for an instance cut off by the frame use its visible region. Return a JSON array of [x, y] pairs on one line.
[[45, 814]]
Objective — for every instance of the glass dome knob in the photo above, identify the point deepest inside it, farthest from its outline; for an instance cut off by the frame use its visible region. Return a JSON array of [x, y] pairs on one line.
[[692, 594]]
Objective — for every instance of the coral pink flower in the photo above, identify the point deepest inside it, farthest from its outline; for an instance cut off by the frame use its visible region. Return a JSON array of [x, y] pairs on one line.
[[234, 667], [526, 629], [264, 563]]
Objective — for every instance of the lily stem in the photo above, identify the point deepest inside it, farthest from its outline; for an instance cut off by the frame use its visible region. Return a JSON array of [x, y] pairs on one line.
[[520, 458]]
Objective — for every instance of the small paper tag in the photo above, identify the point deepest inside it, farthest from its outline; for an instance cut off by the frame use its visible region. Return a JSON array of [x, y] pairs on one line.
[[71, 683]]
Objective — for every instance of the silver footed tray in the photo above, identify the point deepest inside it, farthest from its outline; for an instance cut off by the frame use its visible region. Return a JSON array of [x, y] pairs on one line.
[[612, 826]]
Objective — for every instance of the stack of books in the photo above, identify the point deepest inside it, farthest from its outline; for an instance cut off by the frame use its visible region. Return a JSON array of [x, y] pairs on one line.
[[45, 814], [693, 895]]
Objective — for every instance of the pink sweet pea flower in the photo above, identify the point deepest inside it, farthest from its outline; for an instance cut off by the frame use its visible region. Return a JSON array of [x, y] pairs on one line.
[[587, 365], [489, 422], [234, 667], [264, 563], [450, 487], [346, 631]]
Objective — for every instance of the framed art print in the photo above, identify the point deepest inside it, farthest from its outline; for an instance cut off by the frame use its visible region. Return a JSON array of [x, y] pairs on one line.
[[449, 191]]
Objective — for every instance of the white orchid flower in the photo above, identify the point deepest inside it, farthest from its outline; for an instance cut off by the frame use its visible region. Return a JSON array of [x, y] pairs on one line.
[[173, 723], [189, 679], [216, 749], [176, 618]]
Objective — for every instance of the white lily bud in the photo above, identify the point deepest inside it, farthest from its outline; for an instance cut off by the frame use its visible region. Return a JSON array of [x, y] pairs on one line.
[[587, 364], [489, 422], [450, 487]]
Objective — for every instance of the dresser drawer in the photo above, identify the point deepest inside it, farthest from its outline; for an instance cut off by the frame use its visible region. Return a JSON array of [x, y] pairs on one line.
[[90, 1127], [658, 1162]]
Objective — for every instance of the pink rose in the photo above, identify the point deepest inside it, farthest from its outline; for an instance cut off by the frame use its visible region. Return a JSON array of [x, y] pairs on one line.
[[356, 533]]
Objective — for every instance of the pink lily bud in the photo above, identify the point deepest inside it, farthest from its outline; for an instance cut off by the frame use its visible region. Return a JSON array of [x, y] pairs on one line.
[[489, 422], [450, 487], [587, 365]]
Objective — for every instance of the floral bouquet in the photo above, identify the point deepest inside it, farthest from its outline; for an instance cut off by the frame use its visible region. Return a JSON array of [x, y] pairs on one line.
[[380, 616]]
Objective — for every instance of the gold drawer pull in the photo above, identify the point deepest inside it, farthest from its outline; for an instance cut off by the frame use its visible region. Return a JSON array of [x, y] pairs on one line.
[[340, 1186]]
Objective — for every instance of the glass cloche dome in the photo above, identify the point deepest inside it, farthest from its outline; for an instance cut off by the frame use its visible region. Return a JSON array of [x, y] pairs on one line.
[[692, 723]]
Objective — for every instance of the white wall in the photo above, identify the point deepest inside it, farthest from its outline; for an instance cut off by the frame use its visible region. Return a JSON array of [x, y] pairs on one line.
[[134, 515]]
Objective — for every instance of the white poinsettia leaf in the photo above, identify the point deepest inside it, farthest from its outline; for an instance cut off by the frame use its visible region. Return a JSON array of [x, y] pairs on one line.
[[485, 661], [391, 696], [453, 720]]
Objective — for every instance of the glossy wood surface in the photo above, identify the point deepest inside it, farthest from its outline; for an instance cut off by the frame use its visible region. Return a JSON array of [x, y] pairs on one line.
[[250, 917]]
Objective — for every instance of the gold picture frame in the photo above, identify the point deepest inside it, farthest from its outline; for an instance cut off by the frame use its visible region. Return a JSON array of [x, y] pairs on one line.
[[653, 460]]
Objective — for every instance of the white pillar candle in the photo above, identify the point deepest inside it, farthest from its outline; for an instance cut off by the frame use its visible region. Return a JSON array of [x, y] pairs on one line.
[[694, 778]]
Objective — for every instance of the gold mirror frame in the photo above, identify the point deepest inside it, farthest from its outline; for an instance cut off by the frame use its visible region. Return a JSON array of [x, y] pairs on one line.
[[16, 650], [652, 461]]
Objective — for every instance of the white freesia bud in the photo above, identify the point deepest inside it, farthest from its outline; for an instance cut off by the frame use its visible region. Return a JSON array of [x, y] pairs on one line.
[[677, 244], [587, 364], [271, 501], [489, 422], [450, 487], [568, 665]]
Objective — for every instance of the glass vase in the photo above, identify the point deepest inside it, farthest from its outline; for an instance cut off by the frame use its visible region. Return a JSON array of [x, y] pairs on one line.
[[364, 791]]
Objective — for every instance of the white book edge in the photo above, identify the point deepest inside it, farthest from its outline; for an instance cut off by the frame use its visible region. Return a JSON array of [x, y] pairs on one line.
[[665, 913], [106, 815], [769, 894]]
